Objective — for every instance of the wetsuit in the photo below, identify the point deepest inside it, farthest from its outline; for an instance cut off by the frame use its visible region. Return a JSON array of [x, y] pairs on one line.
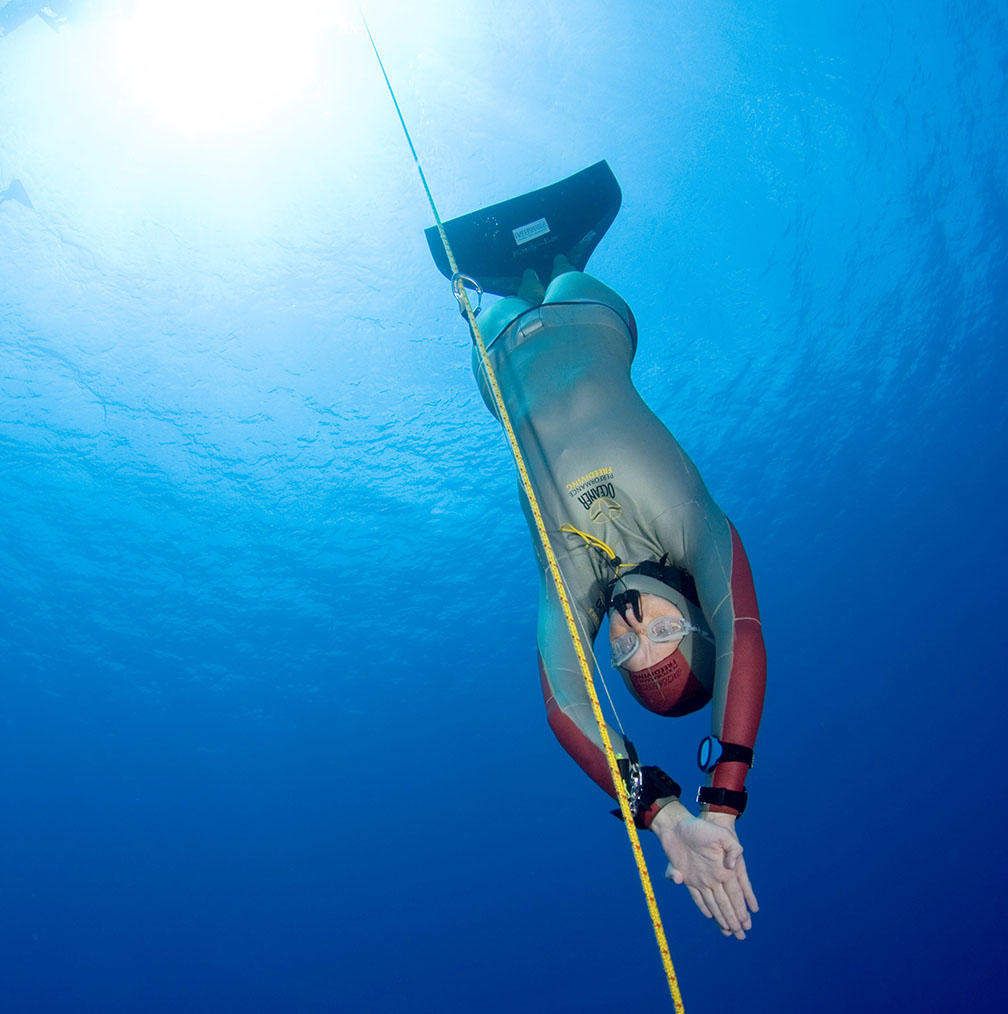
[[602, 462]]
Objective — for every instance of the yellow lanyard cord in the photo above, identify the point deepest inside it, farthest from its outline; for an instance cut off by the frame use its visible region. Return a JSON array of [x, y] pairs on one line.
[[597, 543], [554, 567], [591, 540]]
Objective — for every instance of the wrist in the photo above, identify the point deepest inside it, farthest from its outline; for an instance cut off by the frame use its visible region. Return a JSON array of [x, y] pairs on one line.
[[655, 789], [671, 814], [721, 819]]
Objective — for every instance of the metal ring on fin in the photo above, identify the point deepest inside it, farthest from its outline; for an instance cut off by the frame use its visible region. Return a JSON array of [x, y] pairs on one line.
[[460, 283]]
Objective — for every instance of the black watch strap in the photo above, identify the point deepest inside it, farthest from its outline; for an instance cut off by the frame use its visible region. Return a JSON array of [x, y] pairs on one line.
[[723, 797], [713, 752], [736, 752]]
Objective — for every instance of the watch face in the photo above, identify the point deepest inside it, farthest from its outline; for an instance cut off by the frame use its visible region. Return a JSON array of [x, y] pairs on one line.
[[706, 760]]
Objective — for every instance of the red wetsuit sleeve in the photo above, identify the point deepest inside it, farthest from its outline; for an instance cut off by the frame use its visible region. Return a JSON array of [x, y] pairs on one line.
[[746, 679], [582, 747], [568, 708]]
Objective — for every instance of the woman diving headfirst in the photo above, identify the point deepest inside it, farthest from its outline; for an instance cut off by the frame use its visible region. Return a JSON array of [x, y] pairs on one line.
[[636, 534]]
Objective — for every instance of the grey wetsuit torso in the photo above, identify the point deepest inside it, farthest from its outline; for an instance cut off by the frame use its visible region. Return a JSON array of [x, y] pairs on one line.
[[601, 462]]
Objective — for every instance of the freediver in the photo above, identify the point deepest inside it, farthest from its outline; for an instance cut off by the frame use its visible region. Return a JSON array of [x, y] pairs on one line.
[[636, 533]]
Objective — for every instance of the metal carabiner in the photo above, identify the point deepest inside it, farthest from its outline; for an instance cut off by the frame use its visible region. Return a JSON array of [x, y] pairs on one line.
[[460, 283], [633, 777]]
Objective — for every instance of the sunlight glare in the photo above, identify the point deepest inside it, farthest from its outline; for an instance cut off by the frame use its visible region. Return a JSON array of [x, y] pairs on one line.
[[218, 67]]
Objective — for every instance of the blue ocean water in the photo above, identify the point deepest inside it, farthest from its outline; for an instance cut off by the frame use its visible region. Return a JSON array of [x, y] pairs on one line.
[[271, 734]]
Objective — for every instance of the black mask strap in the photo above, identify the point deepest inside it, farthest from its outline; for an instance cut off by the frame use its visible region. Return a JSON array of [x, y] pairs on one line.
[[629, 599]]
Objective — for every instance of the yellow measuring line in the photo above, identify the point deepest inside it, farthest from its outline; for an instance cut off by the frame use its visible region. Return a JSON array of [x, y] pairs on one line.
[[554, 567]]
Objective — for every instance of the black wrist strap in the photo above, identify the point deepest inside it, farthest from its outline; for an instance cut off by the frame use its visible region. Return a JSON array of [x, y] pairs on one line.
[[723, 797], [713, 752], [655, 785], [734, 752]]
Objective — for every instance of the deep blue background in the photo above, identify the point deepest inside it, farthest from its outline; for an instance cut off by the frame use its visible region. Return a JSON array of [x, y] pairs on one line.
[[272, 736]]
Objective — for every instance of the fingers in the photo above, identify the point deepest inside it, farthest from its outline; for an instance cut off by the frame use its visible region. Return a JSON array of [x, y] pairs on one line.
[[725, 903], [747, 891], [714, 904], [736, 898], [700, 903], [708, 860], [725, 913]]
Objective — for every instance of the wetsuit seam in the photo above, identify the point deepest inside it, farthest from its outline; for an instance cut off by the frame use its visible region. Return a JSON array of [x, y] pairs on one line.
[[717, 608], [625, 329]]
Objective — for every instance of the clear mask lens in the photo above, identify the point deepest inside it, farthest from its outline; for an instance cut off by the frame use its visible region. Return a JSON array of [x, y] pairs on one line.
[[623, 647], [669, 628], [660, 631]]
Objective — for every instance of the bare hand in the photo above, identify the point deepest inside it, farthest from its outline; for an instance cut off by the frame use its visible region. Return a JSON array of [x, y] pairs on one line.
[[704, 853]]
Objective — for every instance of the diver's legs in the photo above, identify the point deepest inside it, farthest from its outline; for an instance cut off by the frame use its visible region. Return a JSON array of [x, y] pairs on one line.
[[561, 266], [531, 289], [571, 286], [495, 318], [568, 286]]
